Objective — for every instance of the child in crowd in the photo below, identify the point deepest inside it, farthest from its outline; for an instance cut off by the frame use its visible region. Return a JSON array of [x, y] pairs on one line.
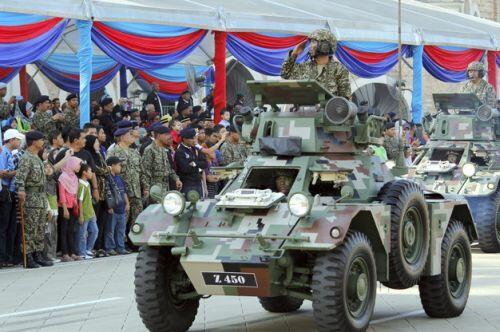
[[87, 230], [68, 188], [114, 242]]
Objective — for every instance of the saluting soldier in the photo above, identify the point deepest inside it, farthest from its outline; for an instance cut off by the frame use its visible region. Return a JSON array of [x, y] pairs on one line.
[[190, 162], [131, 171], [156, 164], [30, 183], [478, 85], [321, 66]]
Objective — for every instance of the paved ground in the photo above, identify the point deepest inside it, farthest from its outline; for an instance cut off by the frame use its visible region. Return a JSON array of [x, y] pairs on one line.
[[97, 295]]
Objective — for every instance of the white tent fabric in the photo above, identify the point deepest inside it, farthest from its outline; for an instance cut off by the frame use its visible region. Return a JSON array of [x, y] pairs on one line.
[[366, 20]]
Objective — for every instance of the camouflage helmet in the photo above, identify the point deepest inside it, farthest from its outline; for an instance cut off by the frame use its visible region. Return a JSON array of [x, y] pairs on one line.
[[476, 65], [323, 35]]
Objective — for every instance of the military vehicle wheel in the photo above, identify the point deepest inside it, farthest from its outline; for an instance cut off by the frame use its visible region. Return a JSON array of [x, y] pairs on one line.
[[280, 304], [445, 295], [156, 274], [344, 286], [409, 232], [486, 212]]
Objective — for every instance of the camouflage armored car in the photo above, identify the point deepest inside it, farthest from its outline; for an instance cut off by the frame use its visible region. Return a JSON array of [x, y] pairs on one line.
[[312, 215], [463, 158]]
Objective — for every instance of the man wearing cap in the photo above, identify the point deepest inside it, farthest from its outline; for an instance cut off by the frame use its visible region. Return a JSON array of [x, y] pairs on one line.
[[42, 120], [12, 141], [132, 171], [232, 150], [321, 66], [30, 183], [72, 113], [5, 107], [190, 162], [391, 142], [106, 119], [156, 164]]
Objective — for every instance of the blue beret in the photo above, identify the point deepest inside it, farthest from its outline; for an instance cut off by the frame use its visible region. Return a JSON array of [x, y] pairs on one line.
[[126, 124], [121, 131], [188, 133], [34, 135]]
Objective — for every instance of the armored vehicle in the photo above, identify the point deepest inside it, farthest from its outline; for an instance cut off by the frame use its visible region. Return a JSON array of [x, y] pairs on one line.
[[312, 215], [463, 158]]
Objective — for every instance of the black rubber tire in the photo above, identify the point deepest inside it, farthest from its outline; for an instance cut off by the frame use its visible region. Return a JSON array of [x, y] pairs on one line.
[[435, 294], [154, 301], [281, 304], [484, 212], [329, 285], [402, 195]]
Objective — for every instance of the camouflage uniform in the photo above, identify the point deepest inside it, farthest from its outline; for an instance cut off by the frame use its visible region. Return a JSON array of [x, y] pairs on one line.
[[4, 109], [70, 118], [391, 146], [30, 178], [334, 76], [43, 122], [483, 90], [132, 176], [233, 153], [157, 169]]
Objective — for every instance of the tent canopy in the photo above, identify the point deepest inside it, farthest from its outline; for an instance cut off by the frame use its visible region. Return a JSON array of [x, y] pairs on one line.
[[367, 20]]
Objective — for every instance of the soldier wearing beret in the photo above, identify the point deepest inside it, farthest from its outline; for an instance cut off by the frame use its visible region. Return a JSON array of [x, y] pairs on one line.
[[132, 171], [321, 66], [156, 164], [5, 107], [232, 150], [72, 112], [30, 183], [391, 141], [190, 162]]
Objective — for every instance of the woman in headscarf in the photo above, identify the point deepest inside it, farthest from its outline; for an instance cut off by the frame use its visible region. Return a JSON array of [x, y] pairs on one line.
[[93, 146], [68, 202], [23, 114]]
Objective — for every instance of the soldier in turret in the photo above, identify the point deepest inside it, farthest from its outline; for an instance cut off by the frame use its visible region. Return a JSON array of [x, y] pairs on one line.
[[478, 85], [321, 66]]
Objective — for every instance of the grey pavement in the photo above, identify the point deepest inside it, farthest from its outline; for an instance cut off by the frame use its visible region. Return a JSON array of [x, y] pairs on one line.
[[98, 295]]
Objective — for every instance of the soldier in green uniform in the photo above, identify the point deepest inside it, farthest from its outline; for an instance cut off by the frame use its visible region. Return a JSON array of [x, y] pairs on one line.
[[30, 183], [132, 171], [5, 107], [72, 113], [391, 142], [321, 66], [478, 85], [156, 165], [233, 150], [42, 120]]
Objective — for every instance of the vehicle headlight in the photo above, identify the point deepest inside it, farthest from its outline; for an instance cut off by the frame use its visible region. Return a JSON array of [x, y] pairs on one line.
[[469, 170], [299, 204], [174, 203]]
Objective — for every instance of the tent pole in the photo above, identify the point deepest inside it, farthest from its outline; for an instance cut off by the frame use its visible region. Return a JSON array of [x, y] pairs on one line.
[[23, 82], [220, 38], [85, 62]]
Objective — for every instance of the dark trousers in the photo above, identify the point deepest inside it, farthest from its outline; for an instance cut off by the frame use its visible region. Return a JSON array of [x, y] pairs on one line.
[[187, 186], [8, 228], [103, 216], [67, 227]]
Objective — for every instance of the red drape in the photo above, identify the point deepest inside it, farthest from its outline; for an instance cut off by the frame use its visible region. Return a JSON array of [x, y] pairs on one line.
[[492, 69], [368, 57], [17, 34], [175, 88], [220, 39], [269, 41], [453, 60], [23, 82], [149, 45]]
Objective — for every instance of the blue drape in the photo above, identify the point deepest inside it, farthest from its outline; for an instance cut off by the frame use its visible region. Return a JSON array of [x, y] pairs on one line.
[[418, 80], [85, 60]]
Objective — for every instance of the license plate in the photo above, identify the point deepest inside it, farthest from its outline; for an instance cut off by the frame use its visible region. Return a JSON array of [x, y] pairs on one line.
[[234, 279]]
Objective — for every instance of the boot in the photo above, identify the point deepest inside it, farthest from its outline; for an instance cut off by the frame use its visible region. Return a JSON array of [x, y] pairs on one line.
[[30, 262], [39, 259]]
